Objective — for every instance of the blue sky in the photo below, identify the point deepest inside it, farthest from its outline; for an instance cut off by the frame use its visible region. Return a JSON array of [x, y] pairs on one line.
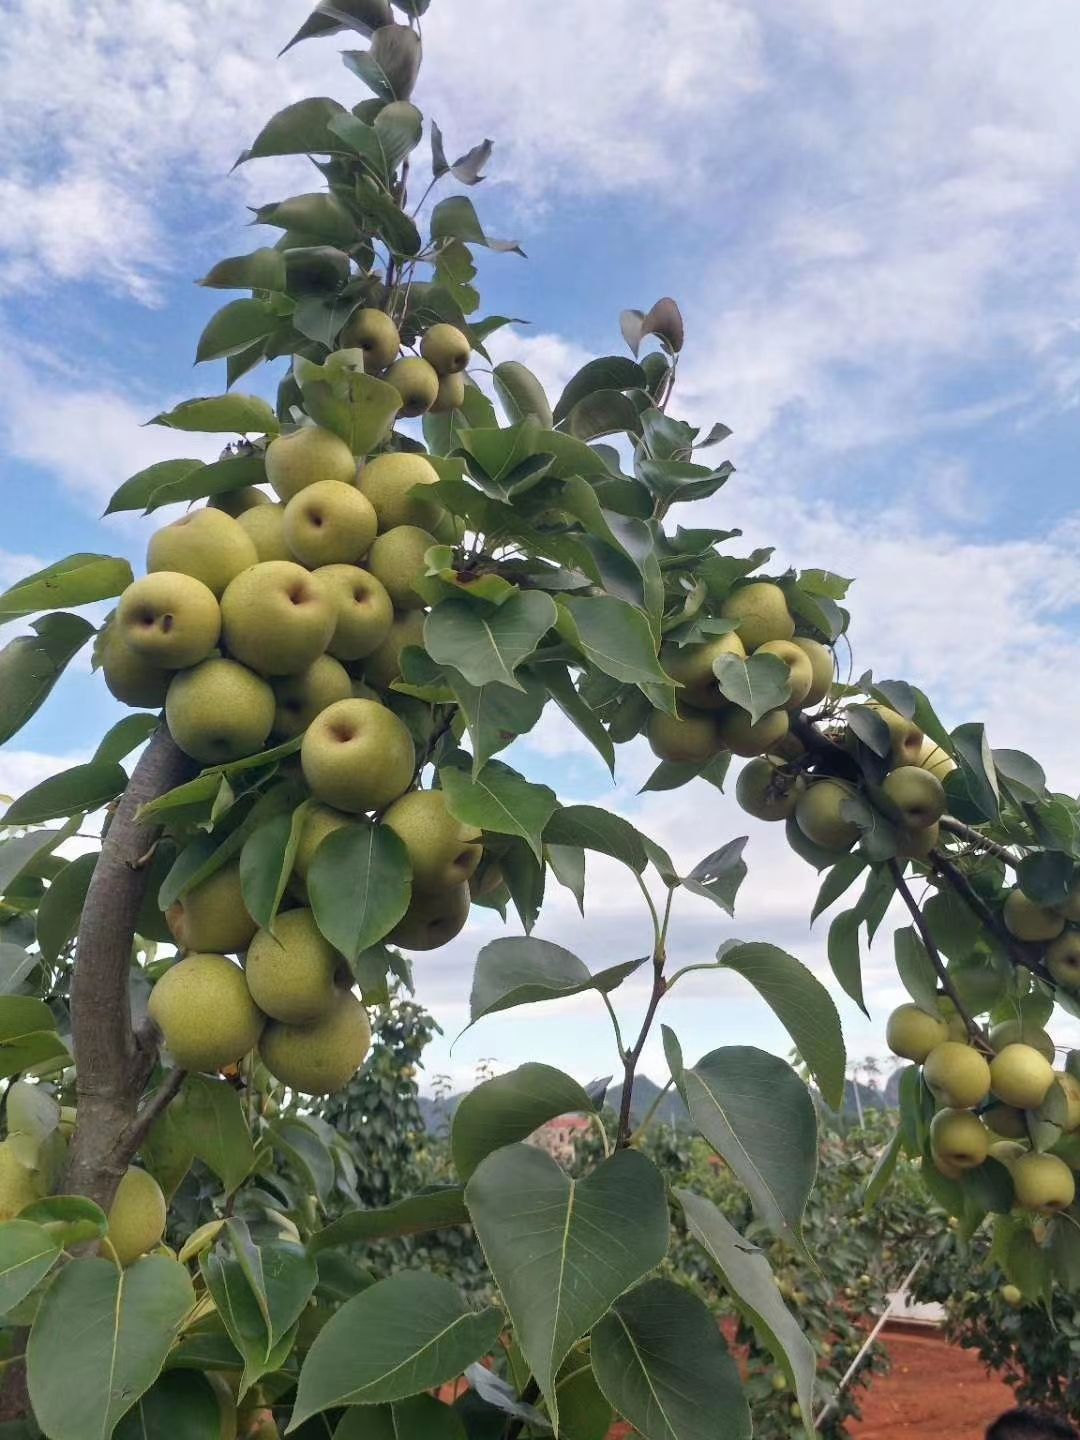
[[867, 216]]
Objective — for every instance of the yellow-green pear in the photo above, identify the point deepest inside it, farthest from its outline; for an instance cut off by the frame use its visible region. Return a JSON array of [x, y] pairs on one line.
[[219, 711], [742, 737], [1070, 908], [443, 850], [691, 666], [800, 671], [907, 739], [822, 668], [959, 1138], [917, 844], [322, 1057], [319, 822], [1028, 921], [364, 611], [916, 795], [761, 612], [239, 502], [451, 394], [1006, 1121], [299, 698], [207, 544], [397, 560], [958, 1076], [290, 970], [1020, 1076], [329, 523], [357, 755], [391, 483], [136, 1216], [205, 1012], [212, 917], [1043, 1182], [953, 1019], [933, 758], [1071, 1088], [446, 349], [130, 677], [911, 1033], [688, 738], [305, 457], [1063, 959], [169, 619], [432, 920], [766, 790], [277, 618], [1012, 1295], [373, 332], [264, 526], [819, 815], [417, 383], [1016, 1032], [383, 666], [20, 1184], [1007, 1151]]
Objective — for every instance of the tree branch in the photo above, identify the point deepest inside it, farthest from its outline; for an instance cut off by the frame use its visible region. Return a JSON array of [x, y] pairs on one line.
[[158, 1103], [110, 1063], [1017, 952], [976, 837]]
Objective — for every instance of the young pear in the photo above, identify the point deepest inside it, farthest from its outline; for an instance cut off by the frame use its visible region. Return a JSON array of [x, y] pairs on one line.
[[432, 920], [169, 619], [319, 822], [306, 456], [1063, 959], [1028, 921], [329, 523], [957, 1075], [933, 758], [323, 1056], [688, 738], [761, 611], [451, 394], [691, 666], [1012, 1295], [363, 609], [959, 1138], [357, 755], [766, 790], [219, 711], [1071, 1089], [1026, 1032], [953, 1019], [208, 544], [239, 502], [397, 560], [800, 670], [212, 916], [443, 850], [383, 666], [742, 737], [916, 795], [1043, 1183], [130, 678], [446, 349], [917, 844], [277, 618], [373, 332], [290, 970], [911, 1033], [822, 666], [393, 483], [205, 1012], [265, 527], [907, 739], [1020, 1076], [818, 815], [299, 698], [417, 383], [137, 1215]]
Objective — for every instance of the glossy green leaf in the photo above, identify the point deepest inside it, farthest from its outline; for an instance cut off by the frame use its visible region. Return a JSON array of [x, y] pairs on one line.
[[456, 219], [487, 644], [72, 1219], [359, 884], [499, 799], [915, 968], [884, 1168], [30, 666], [616, 637], [180, 1404], [421, 1417], [720, 875], [221, 415], [27, 1254], [210, 1119], [231, 472], [357, 407], [135, 493], [262, 269], [61, 906], [415, 1215], [509, 1108], [522, 970], [234, 328], [595, 829], [15, 966], [844, 956], [81, 789], [242, 1317], [521, 394], [568, 698], [306, 1153], [299, 129], [495, 714], [27, 1035], [611, 372], [391, 64], [976, 761], [757, 685], [78, 580], [840, 878], [266, 863]]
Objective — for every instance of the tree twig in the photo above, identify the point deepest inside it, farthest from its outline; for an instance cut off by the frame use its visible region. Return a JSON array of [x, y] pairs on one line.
[[959, 882], [976, 837], [158, 1103]]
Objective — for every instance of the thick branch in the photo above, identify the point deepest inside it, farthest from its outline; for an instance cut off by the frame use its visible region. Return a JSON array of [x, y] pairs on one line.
[[1017, 952], [110, 1064], [976, 837]]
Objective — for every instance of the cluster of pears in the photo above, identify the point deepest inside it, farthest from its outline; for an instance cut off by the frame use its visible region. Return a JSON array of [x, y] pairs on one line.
[[1054, 929], [985, 1101]]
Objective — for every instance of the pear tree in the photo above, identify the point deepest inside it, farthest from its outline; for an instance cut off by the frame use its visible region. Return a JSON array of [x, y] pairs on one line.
[[394, 568]]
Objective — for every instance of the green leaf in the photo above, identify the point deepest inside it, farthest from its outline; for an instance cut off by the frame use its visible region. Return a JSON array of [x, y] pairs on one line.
[[612, 372], [745, 1271], [99, 1341], [495, 714], [420, 1417], [357, 407], [409, 1333], [976, 761], [487, 644], [180, 1404], [15, 966], [567, 864], [359, 884], [234, 328], [599, 830], [617, 638], [299, 129], [562, 1250], [802, 1005], [61, 906], [232, 472], [415, 1215], [27, 1035], [30, 666], [915, 968], [844, 956], [509, 1108], [392, 63], [125, 736], [659, 1357], [210, 1120], [757, 685], [568, 698], [719, 876], [361, 15], [239, 1311], [757, 1115], [839, 879], [884, 1167], [456, 219], [499, 799], [76, 791], [522, 970], [1046, 876], [266, 863], [306, 1153], [220, 415], [27, 1254], [22, 852], [78, 580], [134, 494], [72, 1219], [521, 394], [263, 269]]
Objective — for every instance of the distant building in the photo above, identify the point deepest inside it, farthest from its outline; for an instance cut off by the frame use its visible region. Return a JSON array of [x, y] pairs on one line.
[[559, 1137]]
